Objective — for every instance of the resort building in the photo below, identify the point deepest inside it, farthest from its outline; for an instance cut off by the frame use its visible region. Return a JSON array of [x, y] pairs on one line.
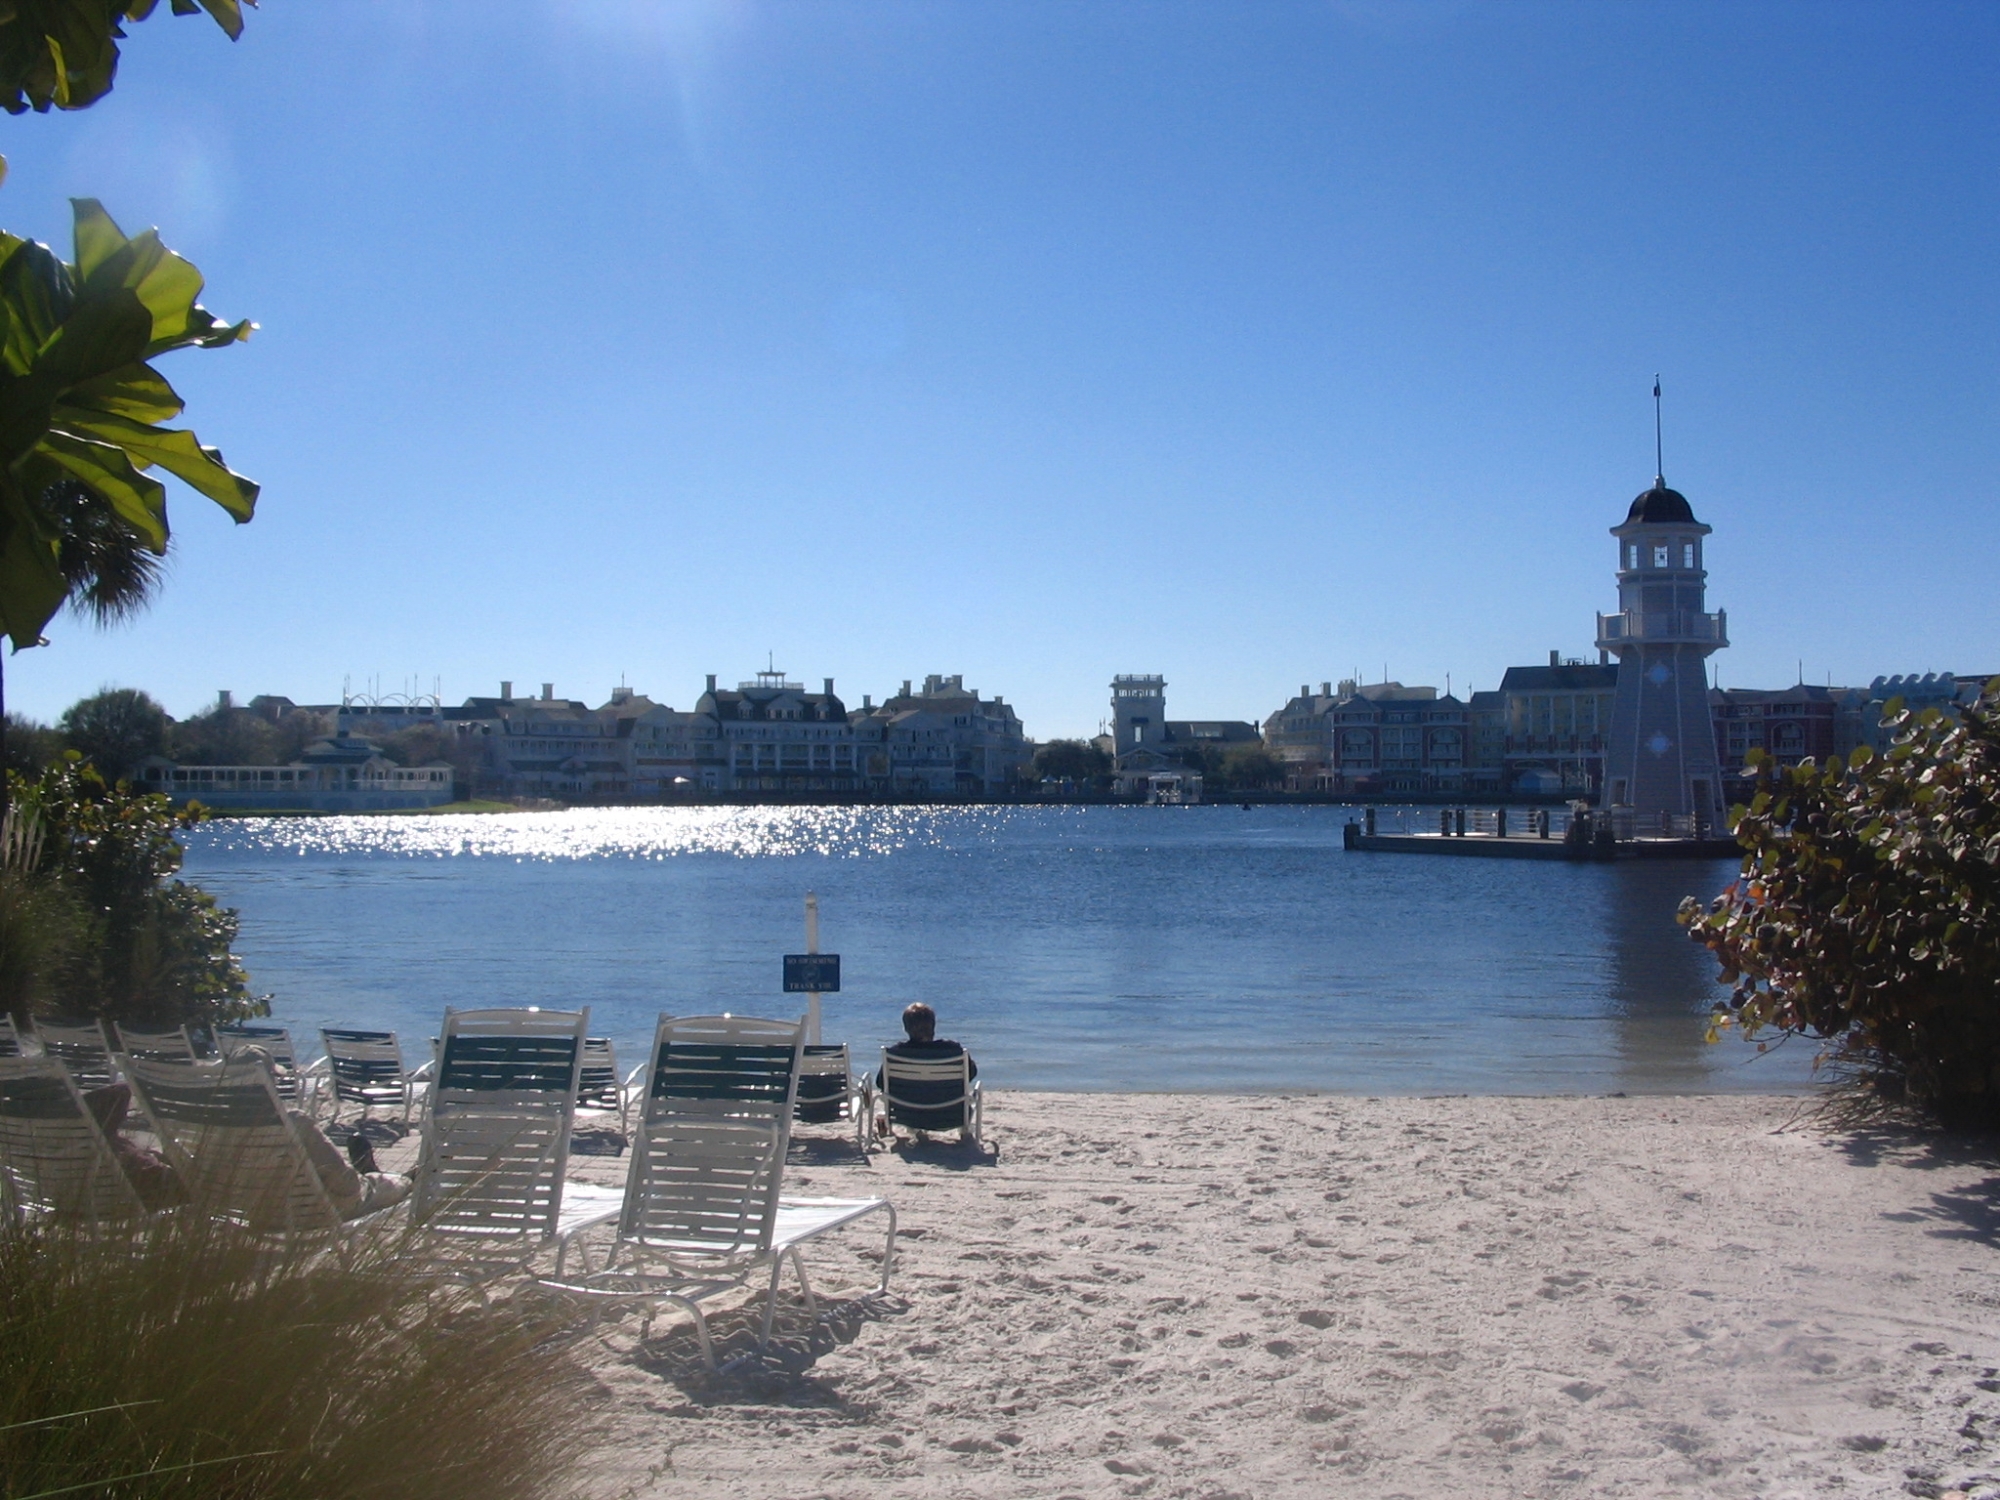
[[341, 774], [556, 748], [1557, 721]]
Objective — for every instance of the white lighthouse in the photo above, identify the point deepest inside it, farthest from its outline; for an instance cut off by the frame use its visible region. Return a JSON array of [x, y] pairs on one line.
[[1660, 755]]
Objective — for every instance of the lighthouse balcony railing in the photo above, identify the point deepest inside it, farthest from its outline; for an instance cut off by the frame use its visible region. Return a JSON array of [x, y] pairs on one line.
[[1664, 625]]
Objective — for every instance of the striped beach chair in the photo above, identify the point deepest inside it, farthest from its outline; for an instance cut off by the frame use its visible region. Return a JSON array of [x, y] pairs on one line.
[[490, 1190], [54, 1157]]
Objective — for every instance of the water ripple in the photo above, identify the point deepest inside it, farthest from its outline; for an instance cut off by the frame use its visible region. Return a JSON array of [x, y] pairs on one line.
[[615, 833]]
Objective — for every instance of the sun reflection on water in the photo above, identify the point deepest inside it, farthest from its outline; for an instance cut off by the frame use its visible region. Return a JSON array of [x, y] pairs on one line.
[[615, 833]]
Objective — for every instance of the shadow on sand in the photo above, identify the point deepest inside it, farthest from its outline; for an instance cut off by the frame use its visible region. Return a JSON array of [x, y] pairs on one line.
[[1968, 1211], [779, 1375]]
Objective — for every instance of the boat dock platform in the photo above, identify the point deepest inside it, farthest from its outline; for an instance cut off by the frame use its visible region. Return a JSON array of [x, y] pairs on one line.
[[1486, 835]]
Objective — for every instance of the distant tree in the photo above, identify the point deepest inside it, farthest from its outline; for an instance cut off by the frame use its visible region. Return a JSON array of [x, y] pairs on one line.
[[1071, 760], [295, 730], [1867, 916], [114, 730], [220, 736], [65, 52], [1251, 768], [30, 747], [419, 745]]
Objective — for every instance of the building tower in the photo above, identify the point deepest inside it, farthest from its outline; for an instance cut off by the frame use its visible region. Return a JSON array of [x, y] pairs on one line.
[[1138, 712], [1660, 755]]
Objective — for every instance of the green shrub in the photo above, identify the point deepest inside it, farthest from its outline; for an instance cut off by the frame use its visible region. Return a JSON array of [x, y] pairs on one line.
[[1868, 912], [91, 920], [185, 1362]]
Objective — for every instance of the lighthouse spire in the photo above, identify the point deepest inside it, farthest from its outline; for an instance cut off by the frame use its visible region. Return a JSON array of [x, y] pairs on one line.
[[1659, 467]]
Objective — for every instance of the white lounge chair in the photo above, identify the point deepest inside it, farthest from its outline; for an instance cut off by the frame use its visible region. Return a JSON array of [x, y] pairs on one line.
[[10, 1036], [702, 1210], [80, 1046], [276, 1043], [829, 1093], [153, 1043], [236, 1147], [489, 1188], [930, 1094], [366, 1068], [598, 1086], [740, 1067], [54, 1157]]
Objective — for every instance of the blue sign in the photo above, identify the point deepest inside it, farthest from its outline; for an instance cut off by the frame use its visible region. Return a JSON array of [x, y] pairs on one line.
[[812, 973]]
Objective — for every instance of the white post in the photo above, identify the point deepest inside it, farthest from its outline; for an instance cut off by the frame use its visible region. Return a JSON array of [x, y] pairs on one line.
[[812, 946]]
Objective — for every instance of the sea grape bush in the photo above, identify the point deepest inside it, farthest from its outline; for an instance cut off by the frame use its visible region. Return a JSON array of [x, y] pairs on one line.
[[1868, 912], [92, 920]]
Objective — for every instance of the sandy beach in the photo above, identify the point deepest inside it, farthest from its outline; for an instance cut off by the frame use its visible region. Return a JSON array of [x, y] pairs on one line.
[[1204, 1296]]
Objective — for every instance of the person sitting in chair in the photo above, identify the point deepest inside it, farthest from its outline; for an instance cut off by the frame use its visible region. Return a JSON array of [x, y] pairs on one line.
[[920, 1024]]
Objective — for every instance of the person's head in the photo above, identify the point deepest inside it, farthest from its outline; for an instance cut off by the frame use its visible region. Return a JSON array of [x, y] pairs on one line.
[[920, 1021]]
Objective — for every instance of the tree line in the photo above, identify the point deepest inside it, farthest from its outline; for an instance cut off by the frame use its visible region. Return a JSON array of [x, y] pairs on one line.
[[115, 729]]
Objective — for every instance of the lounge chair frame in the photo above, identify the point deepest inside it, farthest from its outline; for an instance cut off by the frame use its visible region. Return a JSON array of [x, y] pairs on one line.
[[366, 1068], [916, 1088], [598, 1085], [292, 1082], [702, 1211], [490, 1189], [80, 1046], [236, 1147], [55, 1159], [153, 1043], [829, 1093]]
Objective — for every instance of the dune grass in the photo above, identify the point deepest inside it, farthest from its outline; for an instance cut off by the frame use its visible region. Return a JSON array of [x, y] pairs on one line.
[[186, 1362]]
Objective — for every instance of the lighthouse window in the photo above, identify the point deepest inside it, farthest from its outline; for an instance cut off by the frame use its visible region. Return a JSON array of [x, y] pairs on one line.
[[1660, 556], [1687, 554]]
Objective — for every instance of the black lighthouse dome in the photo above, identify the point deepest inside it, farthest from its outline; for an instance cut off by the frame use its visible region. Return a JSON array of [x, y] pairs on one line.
[[1661, 506]]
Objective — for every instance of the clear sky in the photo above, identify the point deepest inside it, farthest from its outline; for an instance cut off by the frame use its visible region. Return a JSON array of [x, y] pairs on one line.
[[1248, 343]]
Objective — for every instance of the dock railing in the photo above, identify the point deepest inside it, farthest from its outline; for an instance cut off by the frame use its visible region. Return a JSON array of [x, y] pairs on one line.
[[1531, 823]]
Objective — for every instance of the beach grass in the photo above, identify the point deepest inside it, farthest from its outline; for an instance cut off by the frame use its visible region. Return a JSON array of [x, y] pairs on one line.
[[186, 1360]]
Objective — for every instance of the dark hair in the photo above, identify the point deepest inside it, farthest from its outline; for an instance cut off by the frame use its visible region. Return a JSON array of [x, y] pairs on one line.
[[919, 1021]]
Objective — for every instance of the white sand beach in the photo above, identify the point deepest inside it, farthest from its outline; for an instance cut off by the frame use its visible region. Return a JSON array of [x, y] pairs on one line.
[[1175, 1295]]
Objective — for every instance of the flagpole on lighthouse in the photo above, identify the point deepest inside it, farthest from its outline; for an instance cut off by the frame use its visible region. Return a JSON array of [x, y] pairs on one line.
[[1659, 466]]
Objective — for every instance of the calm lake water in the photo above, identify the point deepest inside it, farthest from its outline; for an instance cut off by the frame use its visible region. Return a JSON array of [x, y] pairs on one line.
[[1071, 948]]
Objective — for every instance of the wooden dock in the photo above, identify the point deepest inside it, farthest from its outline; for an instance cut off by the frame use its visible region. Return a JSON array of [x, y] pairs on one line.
[[1517, 846]]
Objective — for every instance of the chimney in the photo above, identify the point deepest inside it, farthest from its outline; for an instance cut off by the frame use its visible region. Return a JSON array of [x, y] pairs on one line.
[[906, 687], [222, 702], [711, 682], [1305, 690], [1326, 690], [828, 688], [506, 691], [868, 703], [548, 692], [1555, 658]]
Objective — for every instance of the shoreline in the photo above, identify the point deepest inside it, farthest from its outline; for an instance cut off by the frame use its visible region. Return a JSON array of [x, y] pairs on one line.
[[1237, 1297]]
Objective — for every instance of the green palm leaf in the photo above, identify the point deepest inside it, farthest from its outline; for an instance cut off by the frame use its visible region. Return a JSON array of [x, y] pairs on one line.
[[79, 403]]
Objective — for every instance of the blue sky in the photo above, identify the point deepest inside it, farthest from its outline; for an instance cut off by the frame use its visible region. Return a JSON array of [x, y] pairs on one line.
[[1246, 343]]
